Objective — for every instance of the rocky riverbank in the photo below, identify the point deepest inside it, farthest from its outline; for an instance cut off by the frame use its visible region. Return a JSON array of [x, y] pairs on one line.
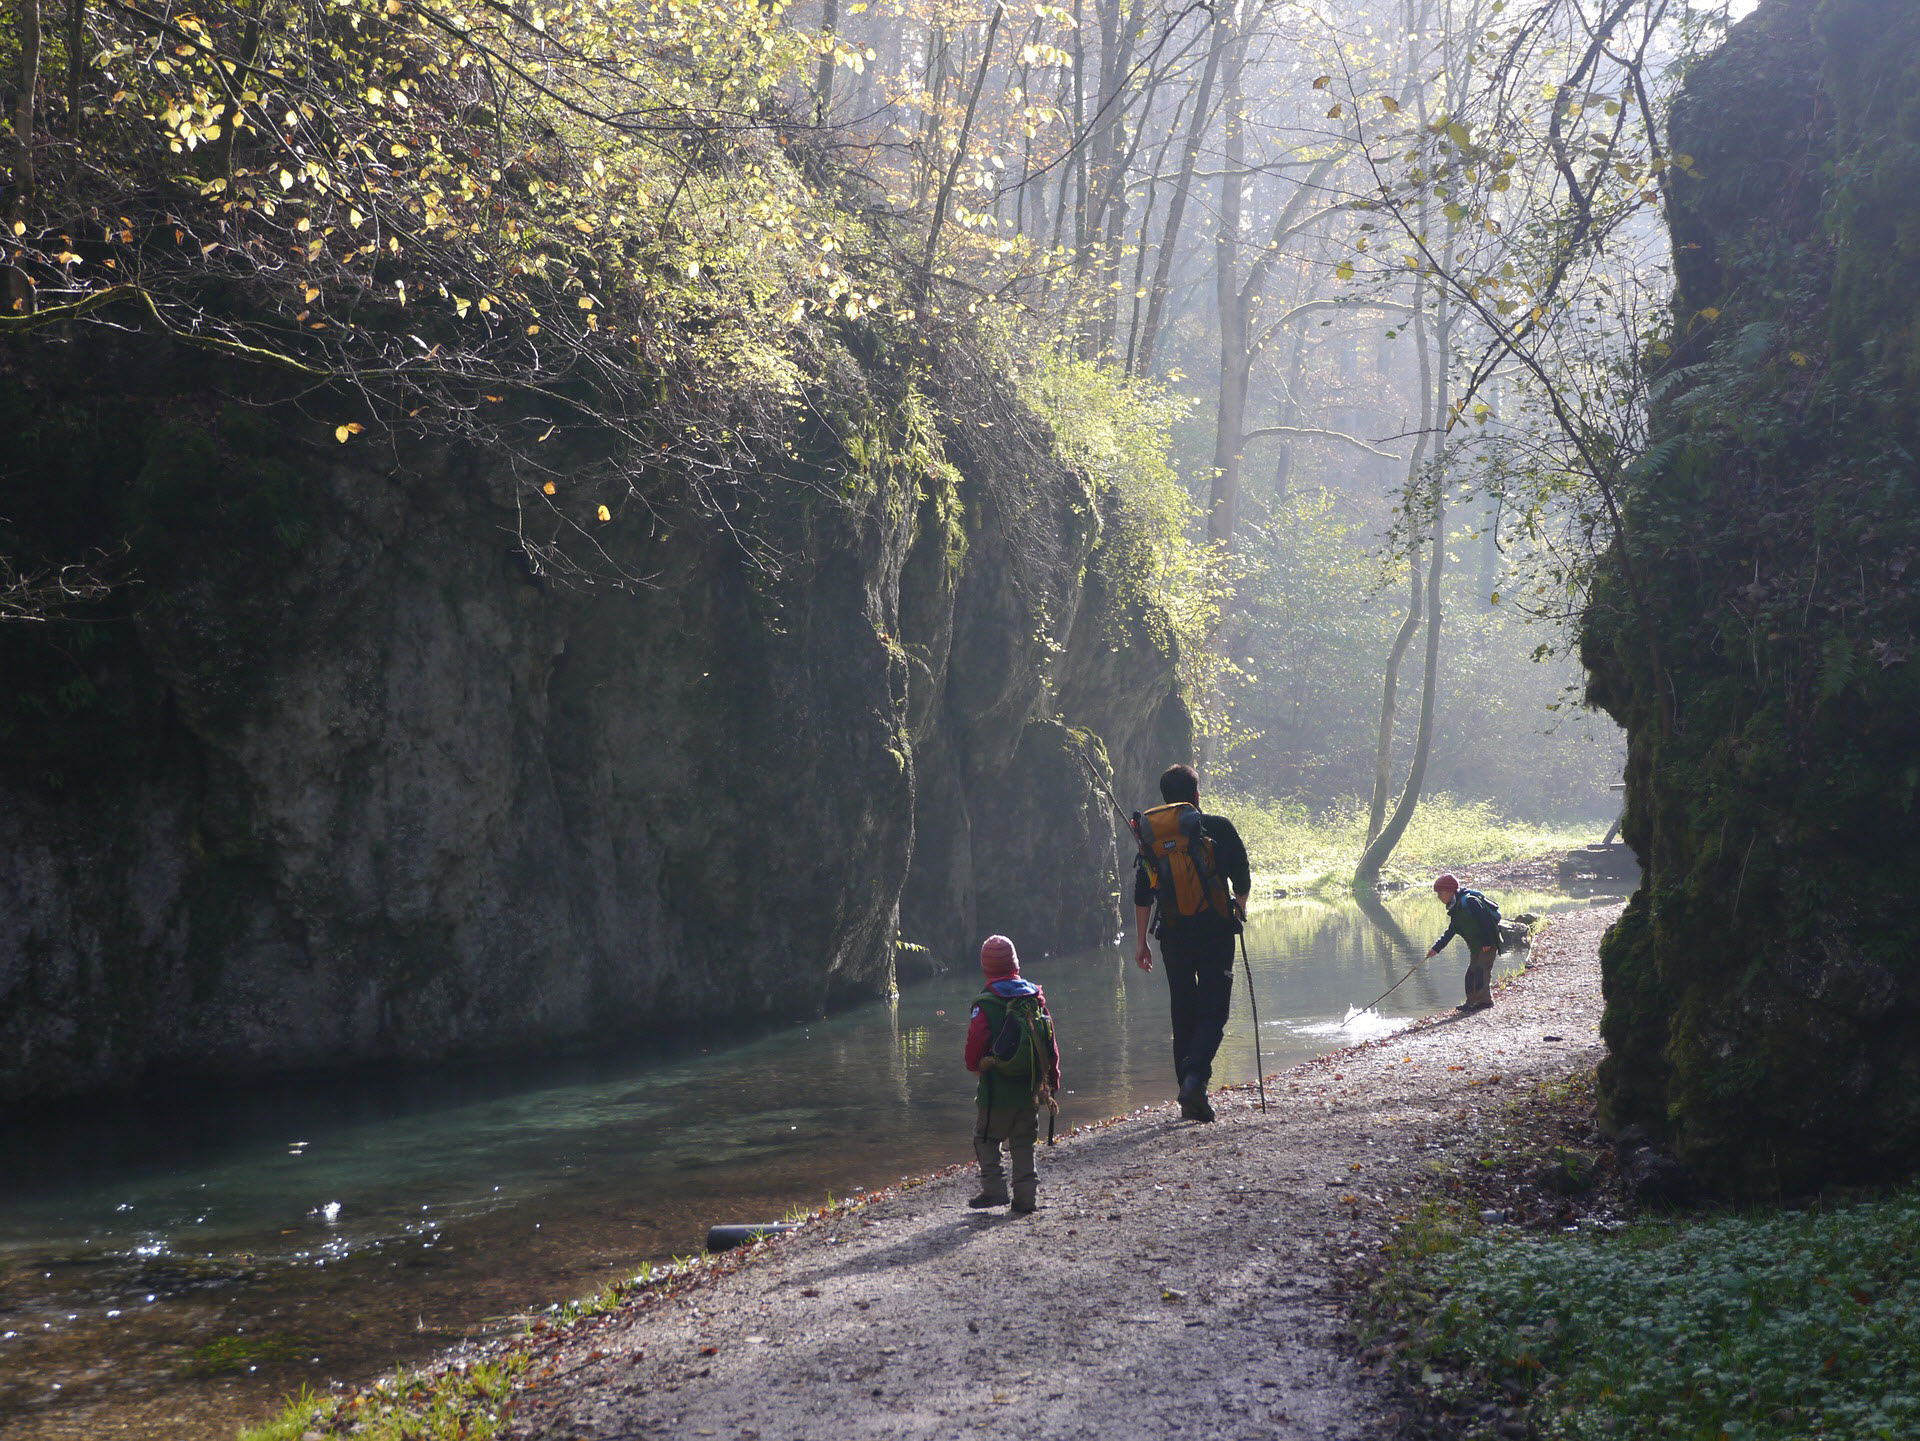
[[1178, 1278]]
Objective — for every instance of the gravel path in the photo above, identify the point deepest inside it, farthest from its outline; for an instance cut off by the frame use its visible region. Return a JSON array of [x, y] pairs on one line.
[[1178, 1280]]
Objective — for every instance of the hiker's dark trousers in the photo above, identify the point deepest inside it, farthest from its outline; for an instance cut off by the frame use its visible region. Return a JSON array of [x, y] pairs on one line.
[[1200, 976], [1480, 975], [1019, 1128]]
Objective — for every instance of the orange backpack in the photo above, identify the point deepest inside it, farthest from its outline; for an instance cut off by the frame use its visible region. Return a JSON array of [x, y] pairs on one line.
[[1178, 854]]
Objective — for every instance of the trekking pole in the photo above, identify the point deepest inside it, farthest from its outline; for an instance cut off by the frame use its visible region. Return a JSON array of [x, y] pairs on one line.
[[1126, 820], [1107, 790], [1259, 1067]]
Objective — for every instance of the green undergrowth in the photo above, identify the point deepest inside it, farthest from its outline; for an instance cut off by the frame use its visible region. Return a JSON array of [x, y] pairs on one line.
[[225, 1355], [464, 1403], [1731, 1327], [1291, 846]]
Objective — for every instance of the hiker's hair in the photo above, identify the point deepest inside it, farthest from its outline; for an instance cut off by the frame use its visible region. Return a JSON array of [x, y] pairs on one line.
[[1180, 783]]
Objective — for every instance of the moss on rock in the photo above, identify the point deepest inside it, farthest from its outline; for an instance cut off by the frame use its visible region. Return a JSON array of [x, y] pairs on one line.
[[1763, 992]]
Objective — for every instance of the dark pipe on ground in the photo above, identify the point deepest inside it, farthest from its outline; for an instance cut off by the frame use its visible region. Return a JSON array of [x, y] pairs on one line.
[[725, 1238]]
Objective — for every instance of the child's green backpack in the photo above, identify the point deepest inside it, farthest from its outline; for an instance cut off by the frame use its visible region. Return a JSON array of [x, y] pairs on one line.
[[1021, 1044]]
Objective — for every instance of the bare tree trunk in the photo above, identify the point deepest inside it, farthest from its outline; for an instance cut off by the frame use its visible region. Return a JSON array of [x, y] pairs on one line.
[[823, 91], [1182, 187], [18, 294], [76, 62], [938, 46], [1079, 157], [1116, 223], [1381, 846], [1383, 754], [1107, 142], [1231, 412], [1025, 74], [1062, 96], [959, 151], [1142, 247]]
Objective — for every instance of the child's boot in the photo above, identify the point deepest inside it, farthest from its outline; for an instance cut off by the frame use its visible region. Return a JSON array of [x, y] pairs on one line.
[[993, 1176], [1026, 1181]]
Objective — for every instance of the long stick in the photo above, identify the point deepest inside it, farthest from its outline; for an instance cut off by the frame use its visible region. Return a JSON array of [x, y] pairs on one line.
[[1259, 1067], [1395, 986]]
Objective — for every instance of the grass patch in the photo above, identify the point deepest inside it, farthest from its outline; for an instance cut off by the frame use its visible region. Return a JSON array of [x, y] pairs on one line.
[[225, 1355], [1750, 1327], [1292, 846], [466, 1403]]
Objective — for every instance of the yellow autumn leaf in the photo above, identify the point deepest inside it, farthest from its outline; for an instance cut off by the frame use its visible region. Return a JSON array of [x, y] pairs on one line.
[[549, 488], [342, 433], [1390, 105], [1344, 270], [605, 514], [1798, 357]]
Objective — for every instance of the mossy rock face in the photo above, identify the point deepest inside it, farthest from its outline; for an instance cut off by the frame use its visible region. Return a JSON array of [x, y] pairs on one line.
[[341, 779], [1763, 990]]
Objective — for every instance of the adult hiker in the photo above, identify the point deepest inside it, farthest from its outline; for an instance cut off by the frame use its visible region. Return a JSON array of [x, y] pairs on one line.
[[1476, 920], [1012, 1048], [1187, 861]]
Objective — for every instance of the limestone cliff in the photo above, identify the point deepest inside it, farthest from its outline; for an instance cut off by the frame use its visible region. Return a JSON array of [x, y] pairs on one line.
[[1763, 989], [343, 779]]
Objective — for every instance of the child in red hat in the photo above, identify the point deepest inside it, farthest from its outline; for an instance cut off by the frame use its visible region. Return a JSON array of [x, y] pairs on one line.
[[1476, 920], [1012, 1048]]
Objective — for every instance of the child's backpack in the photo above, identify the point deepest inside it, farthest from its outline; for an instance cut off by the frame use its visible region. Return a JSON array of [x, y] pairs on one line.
[[1023, 1043], [1485, 914], [1178, 854]]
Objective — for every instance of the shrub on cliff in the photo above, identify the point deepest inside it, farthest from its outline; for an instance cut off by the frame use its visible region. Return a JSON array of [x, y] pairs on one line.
[[580, 237]]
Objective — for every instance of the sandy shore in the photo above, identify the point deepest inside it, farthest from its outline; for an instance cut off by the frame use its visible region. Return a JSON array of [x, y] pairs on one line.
[[1178, 1279]]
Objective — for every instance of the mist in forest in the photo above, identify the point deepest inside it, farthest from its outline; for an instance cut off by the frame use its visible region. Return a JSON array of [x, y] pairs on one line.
[[1400, 266]]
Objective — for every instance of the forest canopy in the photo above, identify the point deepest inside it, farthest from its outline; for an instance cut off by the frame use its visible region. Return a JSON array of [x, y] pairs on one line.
[[1385, 278]]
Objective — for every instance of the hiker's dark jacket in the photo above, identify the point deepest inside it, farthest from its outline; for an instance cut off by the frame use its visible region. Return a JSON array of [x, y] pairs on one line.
[[1230, 862], [1473, 918]]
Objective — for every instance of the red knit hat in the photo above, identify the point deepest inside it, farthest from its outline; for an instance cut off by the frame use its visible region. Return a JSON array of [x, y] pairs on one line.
[[1445, 885], [998, 959]]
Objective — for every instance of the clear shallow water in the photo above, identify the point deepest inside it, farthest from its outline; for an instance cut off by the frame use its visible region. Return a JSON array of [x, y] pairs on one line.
[[330, 1228]]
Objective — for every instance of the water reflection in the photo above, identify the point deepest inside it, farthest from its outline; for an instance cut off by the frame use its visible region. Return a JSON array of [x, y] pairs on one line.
[[364, 1221]]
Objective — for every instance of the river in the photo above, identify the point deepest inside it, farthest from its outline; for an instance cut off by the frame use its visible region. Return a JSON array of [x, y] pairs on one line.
[[172, 1267]]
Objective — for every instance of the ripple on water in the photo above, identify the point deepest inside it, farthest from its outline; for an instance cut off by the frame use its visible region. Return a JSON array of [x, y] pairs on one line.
[[1357, 1027]]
